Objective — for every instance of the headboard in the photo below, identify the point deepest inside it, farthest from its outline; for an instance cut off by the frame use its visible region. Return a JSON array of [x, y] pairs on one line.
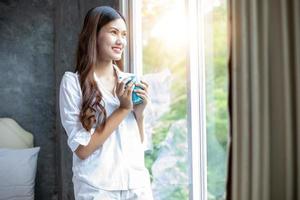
[[18, 160], [12, 135]]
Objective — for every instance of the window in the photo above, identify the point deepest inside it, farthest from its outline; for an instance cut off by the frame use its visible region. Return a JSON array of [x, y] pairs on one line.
[[216, 84], [185, 54]]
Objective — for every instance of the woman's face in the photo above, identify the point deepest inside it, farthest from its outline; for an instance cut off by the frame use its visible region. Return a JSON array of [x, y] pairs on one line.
[[112, 40]]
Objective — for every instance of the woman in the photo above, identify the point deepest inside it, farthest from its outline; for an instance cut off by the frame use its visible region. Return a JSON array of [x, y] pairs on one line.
[[105, 130]]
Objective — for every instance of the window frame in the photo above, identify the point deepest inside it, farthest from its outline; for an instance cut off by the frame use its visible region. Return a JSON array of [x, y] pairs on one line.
[[133, 56], [197, 99], [196, 108]]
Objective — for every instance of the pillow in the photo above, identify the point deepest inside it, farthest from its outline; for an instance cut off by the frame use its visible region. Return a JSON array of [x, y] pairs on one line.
[[12, 135], [17, 173]]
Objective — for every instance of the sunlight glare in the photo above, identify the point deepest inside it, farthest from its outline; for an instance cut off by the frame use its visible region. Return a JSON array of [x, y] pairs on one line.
[[171, 28]]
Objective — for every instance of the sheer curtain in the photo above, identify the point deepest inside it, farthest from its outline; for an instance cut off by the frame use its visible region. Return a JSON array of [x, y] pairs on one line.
[[264, 68]]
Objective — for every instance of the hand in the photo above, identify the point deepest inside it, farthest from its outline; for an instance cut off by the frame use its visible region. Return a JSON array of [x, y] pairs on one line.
[[124, 94], [143, 93]]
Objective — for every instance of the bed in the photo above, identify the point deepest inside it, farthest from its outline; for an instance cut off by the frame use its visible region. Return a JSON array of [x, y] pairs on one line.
[[18, 161]]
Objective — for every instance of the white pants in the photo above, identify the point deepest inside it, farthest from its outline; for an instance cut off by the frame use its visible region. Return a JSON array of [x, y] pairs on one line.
[[144, 193]]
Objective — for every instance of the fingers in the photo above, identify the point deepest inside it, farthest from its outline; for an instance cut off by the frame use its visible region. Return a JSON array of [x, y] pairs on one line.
[[126, 90], [121, 86], [143, 85], [125, 87], [142, 93], [145, 99], [129, 89]]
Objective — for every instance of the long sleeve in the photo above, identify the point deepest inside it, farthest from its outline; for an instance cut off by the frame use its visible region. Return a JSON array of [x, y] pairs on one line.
[[69, 105]]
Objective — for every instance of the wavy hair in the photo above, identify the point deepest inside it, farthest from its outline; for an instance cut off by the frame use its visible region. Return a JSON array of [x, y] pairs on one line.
[[86, 58]]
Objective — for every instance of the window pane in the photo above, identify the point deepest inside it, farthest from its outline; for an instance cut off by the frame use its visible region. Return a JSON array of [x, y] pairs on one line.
[[164, 56], [216, 96]]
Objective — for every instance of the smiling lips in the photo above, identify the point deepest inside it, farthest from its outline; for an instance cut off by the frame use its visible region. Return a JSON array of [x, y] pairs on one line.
[[117, 49]]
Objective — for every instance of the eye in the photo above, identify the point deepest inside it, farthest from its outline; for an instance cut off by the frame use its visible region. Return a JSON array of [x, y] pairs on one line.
[[124, 34], [114, 32]]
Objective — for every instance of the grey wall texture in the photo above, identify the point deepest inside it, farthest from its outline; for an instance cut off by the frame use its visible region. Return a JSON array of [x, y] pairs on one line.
[[38, 40], [27, 80]]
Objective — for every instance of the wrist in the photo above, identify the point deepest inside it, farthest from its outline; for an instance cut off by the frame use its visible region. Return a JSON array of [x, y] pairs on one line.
[[139, 117], [125, 110]]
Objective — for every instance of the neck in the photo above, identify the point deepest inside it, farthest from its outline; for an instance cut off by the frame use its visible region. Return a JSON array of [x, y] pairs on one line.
[[104, 69]]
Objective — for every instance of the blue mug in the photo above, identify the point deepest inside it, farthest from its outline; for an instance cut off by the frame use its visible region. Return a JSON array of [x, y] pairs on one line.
[[135, 98]]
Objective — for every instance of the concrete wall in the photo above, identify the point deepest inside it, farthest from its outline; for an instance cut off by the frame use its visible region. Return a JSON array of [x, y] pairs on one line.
[[38, 39], [27, 79]]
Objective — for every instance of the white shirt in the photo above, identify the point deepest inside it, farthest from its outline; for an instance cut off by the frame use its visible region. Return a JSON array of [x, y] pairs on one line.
[[119, 163]]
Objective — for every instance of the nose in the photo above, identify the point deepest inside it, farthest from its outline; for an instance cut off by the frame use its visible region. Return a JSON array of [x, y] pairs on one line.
[[121, 41], [118, 41]]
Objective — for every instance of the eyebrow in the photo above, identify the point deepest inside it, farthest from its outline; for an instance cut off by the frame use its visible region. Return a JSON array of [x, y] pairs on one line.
[[112, 27]]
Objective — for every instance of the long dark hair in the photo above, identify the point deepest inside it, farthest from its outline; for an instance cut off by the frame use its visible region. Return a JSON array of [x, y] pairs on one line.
[[86, 58]]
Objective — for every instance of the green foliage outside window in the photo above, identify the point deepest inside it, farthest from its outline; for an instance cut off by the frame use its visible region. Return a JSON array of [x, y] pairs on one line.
[[157, 57]]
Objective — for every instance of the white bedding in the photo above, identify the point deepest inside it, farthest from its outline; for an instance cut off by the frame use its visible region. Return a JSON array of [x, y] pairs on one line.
[[18, 161]]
